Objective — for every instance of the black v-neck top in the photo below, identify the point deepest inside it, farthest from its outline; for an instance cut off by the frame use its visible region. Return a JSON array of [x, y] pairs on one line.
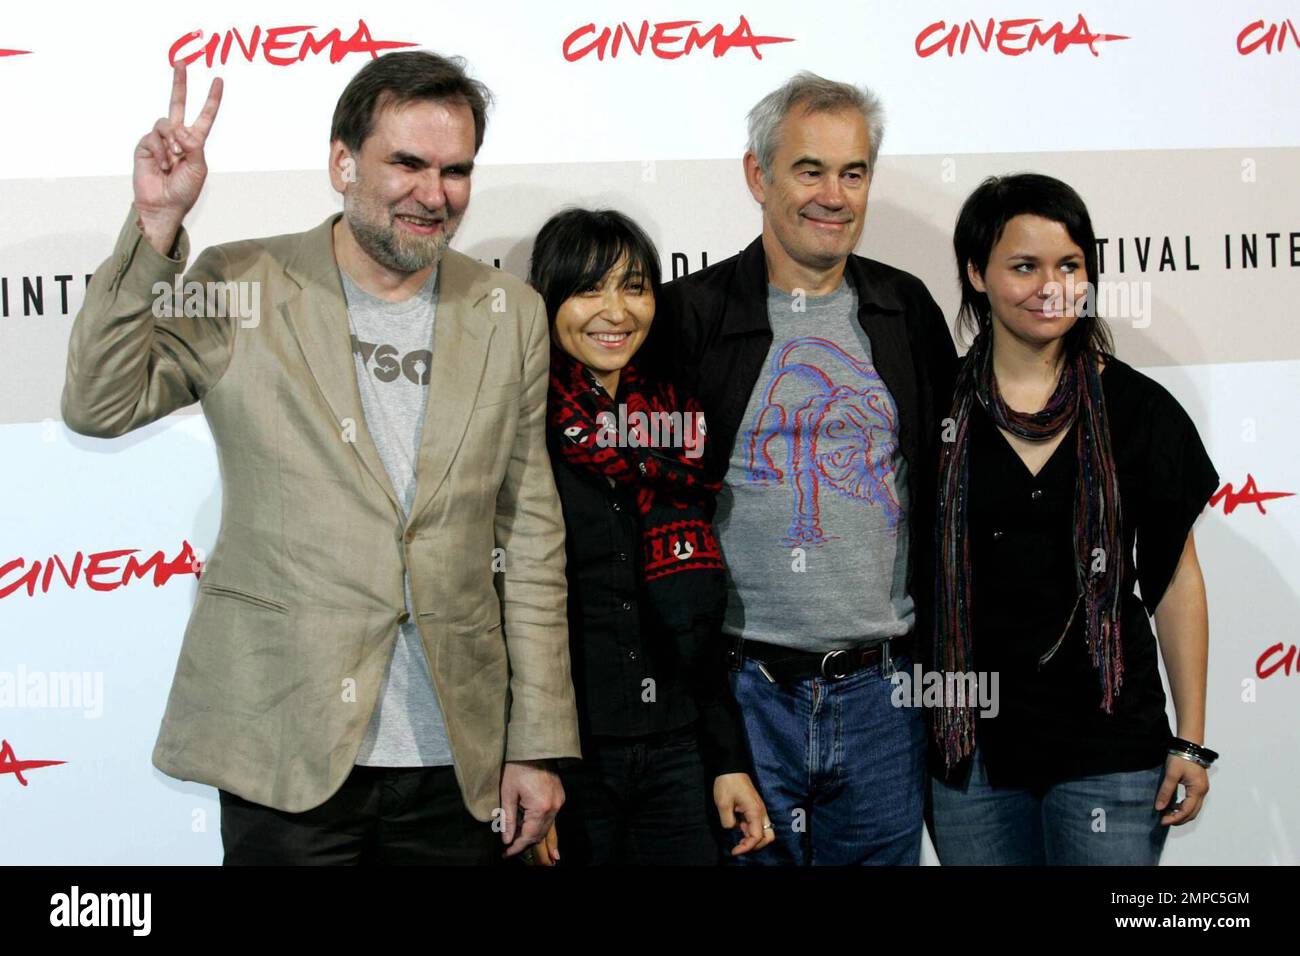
[[1050, 725]]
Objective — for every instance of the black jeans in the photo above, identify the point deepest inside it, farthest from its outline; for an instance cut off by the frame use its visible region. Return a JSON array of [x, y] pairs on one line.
[[639, 801], [386, 815]]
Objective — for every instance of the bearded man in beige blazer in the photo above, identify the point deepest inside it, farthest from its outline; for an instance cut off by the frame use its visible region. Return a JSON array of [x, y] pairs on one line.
[[376, 666]]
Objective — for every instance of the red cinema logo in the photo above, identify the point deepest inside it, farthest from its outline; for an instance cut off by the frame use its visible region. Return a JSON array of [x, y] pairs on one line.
[[9, 763], [666, 40], [1009, 37], [279, 46], [99, 571], [1279, 657], [1248, 495], [1271, 37]]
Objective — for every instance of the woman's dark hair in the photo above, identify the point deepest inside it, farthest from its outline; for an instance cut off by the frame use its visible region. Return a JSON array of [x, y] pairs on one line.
[[396, 79], [577, 247], [980, 224]]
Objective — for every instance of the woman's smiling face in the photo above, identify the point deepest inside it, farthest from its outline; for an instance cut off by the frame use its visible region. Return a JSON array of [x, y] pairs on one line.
[[603, 326], [1034, 280]]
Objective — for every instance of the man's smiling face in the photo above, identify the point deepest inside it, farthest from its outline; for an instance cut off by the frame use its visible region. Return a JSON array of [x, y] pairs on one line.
[[815, 202], [411, 183]]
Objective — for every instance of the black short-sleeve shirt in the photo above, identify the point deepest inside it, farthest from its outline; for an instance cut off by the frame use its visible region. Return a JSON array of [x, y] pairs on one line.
[[1050, 725]]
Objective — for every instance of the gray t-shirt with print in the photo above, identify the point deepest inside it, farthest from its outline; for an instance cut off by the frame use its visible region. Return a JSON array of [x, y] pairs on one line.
[[812, 516], [392, 345]]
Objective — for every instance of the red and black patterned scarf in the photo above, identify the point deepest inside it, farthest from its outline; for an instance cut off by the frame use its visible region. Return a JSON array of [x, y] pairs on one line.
[[681, 564]]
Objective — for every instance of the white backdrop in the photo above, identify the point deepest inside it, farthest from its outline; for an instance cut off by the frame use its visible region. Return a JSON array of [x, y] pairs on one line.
[[1173, 135]]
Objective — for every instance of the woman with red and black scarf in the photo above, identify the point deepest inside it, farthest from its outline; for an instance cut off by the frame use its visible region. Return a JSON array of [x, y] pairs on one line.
[[665, 758]]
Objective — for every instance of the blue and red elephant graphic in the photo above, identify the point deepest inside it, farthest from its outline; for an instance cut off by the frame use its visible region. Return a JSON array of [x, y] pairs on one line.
[[829, 421]]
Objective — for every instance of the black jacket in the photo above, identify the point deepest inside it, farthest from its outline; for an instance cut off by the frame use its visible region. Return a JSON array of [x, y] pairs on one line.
[[712, 331], [617, 642]]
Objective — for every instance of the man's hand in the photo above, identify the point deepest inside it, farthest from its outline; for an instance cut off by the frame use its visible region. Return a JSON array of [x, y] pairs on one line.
[[531, 786], [170, 167], [735, 797]]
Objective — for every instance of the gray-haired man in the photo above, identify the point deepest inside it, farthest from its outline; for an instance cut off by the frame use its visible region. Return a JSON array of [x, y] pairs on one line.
[[823, 376]]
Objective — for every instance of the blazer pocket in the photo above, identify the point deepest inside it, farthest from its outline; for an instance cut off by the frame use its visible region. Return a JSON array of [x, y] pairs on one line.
[[244, 596]]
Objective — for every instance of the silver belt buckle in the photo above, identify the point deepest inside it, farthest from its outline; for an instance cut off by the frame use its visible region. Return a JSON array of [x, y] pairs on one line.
[[826, 660]]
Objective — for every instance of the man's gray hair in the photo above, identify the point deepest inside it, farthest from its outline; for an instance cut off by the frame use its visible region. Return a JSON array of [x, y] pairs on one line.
[[814, 94]]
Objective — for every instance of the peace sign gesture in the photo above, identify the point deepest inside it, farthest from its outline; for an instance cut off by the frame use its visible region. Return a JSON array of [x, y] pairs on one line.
[[169, 164]]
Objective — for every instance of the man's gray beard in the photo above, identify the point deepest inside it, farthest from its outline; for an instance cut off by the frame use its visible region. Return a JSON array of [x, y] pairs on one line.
[[384, 247]]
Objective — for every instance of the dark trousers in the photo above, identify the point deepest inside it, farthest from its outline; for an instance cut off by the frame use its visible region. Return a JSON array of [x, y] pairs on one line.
[[639, 801], [387, 815]]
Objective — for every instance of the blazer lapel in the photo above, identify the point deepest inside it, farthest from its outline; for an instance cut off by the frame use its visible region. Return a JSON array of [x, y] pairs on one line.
[[318, 317], [461, 335]]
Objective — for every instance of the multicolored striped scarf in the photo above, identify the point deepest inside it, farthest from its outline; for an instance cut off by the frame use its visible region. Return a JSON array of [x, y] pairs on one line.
[[1078, 395]]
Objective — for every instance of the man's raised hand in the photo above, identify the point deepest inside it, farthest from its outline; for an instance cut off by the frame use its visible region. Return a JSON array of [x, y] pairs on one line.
[[170, 166]]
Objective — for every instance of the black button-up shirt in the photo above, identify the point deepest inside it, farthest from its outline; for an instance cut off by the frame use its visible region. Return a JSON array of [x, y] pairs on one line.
[[626, 671], [624, 675]]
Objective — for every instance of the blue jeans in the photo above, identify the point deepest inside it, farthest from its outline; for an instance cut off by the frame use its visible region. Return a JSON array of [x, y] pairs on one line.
[[1105, 820], [841, 770]]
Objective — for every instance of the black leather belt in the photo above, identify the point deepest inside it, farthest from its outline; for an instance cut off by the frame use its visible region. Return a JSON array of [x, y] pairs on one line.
[[783, 664]]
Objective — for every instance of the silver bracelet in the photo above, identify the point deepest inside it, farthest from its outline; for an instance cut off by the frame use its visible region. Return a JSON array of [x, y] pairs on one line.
[[1189, 756]]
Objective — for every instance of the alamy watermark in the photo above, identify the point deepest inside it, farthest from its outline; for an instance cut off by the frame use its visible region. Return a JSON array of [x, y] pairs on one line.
[[638, 429], [922, 688], [1115, 301], [129, 910], [58, 690], [217, 299]]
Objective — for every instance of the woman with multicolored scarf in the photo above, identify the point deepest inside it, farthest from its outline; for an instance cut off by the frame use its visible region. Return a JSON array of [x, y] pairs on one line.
[[1057, 459], [664, 752]]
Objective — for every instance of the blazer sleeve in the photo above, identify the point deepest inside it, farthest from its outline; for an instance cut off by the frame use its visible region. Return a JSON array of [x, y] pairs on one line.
[[543, 719], [130, 362]]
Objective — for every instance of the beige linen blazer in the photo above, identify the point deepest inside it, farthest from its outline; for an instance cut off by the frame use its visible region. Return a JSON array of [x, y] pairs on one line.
[[299, 602]]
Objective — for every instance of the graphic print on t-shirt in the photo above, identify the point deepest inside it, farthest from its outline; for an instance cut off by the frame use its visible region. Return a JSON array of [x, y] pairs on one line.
[[826, 425], [389, 363]]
